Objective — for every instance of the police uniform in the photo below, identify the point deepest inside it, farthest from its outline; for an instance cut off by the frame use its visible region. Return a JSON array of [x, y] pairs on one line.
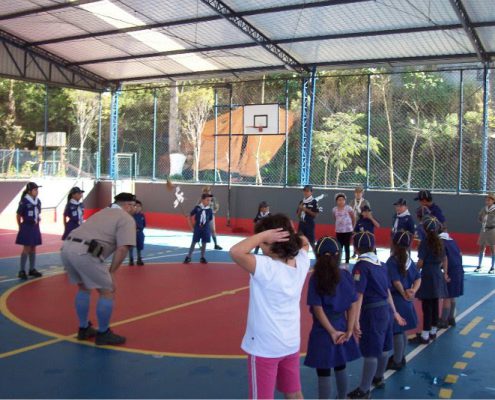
[[74, 211], [29, 230], [376, 322], [455, 286], [140, 225], [203, 216], [307, 222], [322, 352], [404, 307]]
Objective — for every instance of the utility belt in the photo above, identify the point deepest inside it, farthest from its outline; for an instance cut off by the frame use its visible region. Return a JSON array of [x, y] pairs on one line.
[[489, 228], [94, 248], [377, 304]]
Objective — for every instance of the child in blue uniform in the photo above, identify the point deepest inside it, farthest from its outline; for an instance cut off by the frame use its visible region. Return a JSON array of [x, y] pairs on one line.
[[307, 211], [377, 313], [402, 221], [74, 211], [431, 260], [140, 225], [201, 215], [426, 200], [455, 282], [263, 212], [332, 300], [406, 279], [366, 221], [29, 236]]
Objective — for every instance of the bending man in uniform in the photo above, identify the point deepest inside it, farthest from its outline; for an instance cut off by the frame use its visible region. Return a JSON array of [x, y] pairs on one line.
[[109, 231]]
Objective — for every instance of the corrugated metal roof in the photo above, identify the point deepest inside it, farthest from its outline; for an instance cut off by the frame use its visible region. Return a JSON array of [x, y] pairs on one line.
[[208, 37]]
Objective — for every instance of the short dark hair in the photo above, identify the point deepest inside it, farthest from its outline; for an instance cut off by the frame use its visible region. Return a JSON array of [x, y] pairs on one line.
[[138, 202], [284, 250]]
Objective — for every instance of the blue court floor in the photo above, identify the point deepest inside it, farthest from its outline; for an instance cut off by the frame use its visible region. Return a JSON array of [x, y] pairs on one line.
[[459, 364]]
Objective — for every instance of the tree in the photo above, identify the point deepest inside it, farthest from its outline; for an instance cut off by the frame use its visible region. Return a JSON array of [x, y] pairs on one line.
[[341, 141], [85, 107], [196, 105]]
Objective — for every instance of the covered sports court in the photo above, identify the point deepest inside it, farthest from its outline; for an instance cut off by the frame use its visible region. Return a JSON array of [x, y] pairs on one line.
[[270, 67]]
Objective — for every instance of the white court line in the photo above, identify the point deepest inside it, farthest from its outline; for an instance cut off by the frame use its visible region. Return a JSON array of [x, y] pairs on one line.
[[421, 347]]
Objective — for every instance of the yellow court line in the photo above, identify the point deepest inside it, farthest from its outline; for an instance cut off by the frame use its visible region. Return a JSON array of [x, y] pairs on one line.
[[460, 365], [445, 393], [491, 327], [70, 338], [451, 378], [469, 327], [485, 335], [477, 344], [469, 354]]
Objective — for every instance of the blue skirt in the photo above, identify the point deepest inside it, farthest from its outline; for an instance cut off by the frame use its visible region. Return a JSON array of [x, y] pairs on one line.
[[307, 230], [376, 327], [433, 284], [202, 234], [29, 235], [456, 285], [407, 311], [71, 225], [323, 353], [140, 240]]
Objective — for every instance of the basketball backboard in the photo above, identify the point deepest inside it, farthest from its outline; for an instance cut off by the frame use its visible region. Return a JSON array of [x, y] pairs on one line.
[[261, 119]]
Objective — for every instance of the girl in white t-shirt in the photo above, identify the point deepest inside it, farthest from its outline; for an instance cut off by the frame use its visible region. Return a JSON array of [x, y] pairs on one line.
[[344, 223], [272, 339]]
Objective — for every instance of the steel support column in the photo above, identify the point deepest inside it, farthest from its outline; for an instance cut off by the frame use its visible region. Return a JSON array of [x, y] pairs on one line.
[[460, 130], [484, 139], [114, 132], [308, 90], [155, 109], [368, 134]]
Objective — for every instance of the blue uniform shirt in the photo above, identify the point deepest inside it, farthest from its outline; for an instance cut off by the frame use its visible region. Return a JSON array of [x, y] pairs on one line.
[[454, 257], [28, 211], [364, 224], [412, 274], [197, 211], [436, 212], [72, 211], [140, 221], [425, 254], [405, 223], [371, 278], [313, 206]]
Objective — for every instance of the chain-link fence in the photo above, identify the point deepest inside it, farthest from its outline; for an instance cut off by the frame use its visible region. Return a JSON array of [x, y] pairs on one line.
[[401, 131]]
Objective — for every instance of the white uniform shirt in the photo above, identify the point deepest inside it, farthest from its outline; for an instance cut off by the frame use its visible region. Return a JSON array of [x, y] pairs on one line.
[[274, 322]]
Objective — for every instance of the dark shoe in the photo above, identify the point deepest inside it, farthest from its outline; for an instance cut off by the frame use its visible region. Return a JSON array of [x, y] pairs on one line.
[[22, 275], [358, 394], [86, 333], [403, 362], [131, 262], [452, 321], [140, 262], [217, 247], [433, 336], [393, 365], [34, 273], [108, 338], [378, 382], [477, 269], [492, 270], [442, 324], [418, 339], [187, 260], [202, 260]]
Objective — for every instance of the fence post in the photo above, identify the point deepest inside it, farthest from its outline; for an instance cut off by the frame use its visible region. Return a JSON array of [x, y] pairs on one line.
[[16, 163], [98, 158], [460, 130], [311, 120], [286, 133], [368, 134], [45, 128], [229, 191], [155, 107], [114, 131], [215, 133], [484, 139]]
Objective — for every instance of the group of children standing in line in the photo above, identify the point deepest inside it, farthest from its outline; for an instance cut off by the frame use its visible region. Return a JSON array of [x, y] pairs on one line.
[[364, 313]]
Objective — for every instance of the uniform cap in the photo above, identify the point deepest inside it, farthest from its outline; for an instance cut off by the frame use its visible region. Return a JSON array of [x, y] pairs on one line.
[[75, 190], [205, 196], [308, 187], [364, 240], [124, 197], [422, 211], [402, 238], [431, 224], [424, 195], [400, 202], [491, 196], [263, 204], [365, 208], [31, 185], [327, 244]]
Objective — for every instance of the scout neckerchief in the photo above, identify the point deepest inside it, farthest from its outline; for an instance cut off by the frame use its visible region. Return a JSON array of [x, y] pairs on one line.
[[444, 236], [357, 206], [370, 257], [306, 201], [264, 214], [202, 218], [35, 203], [115, 205], [79, 210], [487, 210], [396, 222]]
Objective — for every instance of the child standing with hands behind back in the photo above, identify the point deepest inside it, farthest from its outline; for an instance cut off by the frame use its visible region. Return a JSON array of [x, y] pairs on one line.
[[140, 225]]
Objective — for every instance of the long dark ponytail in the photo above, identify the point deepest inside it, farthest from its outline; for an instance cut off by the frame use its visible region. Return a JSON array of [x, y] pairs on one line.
[[327, 273], [434, 243], [401, 254]]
